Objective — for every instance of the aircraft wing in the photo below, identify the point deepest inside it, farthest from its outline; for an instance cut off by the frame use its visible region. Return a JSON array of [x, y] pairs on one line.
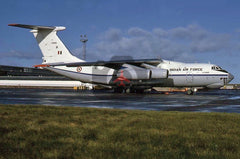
[[116, 64]]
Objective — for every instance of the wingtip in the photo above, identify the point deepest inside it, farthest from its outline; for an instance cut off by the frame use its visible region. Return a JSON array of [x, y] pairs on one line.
[[41, 65], [12, 24]]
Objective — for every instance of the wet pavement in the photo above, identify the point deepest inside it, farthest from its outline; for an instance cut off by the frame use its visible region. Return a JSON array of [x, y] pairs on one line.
[[203, 101]]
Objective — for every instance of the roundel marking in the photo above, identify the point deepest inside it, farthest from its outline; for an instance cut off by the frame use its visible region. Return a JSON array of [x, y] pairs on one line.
[[79, 69]]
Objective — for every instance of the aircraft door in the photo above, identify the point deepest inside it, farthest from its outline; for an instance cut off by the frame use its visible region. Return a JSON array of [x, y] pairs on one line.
[[189, 77]]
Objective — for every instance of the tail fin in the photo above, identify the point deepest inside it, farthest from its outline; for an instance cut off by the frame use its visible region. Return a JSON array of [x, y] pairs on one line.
[[52, 47]]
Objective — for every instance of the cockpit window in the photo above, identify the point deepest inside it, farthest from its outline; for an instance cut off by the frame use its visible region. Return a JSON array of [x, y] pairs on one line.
[[217, 68]]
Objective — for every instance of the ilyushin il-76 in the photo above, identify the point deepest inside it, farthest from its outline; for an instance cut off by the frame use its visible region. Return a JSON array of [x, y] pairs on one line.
[[128, 74]]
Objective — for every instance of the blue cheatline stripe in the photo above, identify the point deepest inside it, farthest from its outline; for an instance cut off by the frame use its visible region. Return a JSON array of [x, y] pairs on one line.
[[197, 75], [79, 72], [169, 74]]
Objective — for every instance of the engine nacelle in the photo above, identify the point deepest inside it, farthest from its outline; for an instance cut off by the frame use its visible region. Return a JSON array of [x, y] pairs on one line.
[[134, 74], [158, 73], [141, 74]]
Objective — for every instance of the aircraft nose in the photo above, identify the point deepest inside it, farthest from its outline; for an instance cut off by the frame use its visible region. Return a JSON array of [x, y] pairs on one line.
[[230, 77]]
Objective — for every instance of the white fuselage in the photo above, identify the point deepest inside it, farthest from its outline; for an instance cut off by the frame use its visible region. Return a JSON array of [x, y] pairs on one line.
[[181, 74]]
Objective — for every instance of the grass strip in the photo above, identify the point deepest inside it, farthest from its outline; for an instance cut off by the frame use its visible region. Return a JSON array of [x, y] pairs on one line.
[[30, 131]]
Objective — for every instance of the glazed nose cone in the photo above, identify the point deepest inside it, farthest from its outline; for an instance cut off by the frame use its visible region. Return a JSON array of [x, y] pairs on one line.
[[230, 77]]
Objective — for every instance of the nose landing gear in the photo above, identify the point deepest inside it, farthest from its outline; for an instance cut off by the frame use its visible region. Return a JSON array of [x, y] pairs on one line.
[[191, 91]]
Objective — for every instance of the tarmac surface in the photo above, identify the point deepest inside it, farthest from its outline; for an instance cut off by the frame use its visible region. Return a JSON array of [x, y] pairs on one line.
[[204, 101]]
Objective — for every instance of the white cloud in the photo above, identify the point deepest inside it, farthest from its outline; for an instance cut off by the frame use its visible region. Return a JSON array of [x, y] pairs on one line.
[[112, 35], [138, 32], [178, 43], [191, 32]]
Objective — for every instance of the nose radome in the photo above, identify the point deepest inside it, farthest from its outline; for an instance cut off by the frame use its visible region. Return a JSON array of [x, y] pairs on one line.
[[230, 77]]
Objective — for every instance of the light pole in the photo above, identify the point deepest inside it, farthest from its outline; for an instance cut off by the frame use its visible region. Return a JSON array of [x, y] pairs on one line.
[[84, 40]]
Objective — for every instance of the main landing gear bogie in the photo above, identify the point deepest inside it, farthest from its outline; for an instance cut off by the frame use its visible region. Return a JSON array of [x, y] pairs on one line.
[[128, 90], [190, 91]]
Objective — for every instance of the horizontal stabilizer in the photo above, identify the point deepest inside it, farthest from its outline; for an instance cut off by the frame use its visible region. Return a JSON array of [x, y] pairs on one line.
[[35, 27]]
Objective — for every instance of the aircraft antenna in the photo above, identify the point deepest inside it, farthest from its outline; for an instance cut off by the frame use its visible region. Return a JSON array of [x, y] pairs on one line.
[[84, 41]]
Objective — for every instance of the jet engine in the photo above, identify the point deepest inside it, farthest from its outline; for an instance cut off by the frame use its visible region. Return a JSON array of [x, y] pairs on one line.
[[142, 74], [158, 73]]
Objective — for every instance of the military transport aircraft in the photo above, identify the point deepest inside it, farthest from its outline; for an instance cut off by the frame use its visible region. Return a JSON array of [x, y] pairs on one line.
[[128, 74]]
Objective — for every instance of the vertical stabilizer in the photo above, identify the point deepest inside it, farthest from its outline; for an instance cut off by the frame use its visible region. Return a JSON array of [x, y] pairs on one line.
[[51, 46]]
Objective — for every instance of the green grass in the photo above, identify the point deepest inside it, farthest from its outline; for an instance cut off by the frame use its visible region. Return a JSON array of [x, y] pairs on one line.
[[70, 132]]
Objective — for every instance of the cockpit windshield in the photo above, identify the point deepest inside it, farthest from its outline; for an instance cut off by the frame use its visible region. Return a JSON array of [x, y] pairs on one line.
[[217, 68]]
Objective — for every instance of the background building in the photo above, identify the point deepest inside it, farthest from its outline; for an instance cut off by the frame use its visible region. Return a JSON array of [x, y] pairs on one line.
[[35, 77]]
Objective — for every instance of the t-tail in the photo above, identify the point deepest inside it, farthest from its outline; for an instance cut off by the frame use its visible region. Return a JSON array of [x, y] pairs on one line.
[[52, 48]]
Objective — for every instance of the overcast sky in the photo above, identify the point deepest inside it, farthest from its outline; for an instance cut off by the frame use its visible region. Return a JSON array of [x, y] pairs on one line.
[[206, 31]]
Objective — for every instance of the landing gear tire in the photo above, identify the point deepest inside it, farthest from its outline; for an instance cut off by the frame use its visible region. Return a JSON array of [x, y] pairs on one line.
[[191, 91], [118, 90], [128, 90], [131, 90], [139, 91]]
